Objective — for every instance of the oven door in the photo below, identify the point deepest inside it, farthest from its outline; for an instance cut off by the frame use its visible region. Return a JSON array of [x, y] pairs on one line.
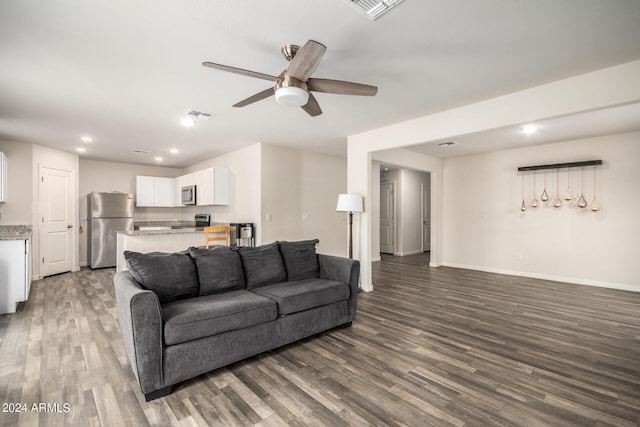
[[189, 195]]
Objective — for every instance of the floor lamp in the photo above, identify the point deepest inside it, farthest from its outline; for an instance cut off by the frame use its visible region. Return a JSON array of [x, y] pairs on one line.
[[350, 203]]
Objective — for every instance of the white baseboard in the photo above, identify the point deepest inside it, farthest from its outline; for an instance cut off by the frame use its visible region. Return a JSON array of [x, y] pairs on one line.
[[408, 253], [577, 281], [376, 259]]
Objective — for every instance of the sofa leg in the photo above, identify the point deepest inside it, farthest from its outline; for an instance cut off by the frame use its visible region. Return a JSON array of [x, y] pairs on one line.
[[166, 391], [345, 325]]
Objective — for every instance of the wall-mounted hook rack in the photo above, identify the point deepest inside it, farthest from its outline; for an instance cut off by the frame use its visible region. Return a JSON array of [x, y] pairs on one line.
[[561, 165]]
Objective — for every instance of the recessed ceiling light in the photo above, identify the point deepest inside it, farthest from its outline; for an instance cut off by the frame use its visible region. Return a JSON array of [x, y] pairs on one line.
[[447, 143], [187, 122], [529, 129], [81, 150], [189, 118], [86, 139], [159, 159], [174, 151]]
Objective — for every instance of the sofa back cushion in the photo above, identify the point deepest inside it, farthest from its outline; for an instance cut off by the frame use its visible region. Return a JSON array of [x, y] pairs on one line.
[[219, 270], [300, 259], [170, 275], [262, 265]]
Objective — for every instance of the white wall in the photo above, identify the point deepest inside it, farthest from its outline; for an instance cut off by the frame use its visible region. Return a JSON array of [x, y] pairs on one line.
[[245, 168], [299, 193], [264, 179], [375, 211], [612, 86], [18, 209], [484, 228]]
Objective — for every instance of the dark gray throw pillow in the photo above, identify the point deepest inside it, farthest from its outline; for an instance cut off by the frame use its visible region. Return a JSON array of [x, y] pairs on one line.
[[170, 275], [262, 265], [219, 269], [300, 259]]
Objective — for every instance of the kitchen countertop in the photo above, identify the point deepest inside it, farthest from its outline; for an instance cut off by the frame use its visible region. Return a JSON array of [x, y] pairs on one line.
[[15, 232], [187, 230], [162, 223], [186, 227]]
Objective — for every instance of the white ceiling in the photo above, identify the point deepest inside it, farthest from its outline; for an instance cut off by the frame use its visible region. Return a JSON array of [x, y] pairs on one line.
[[125, 71]]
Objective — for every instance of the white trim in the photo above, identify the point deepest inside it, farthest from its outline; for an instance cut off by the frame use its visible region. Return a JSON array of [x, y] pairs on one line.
[[376, 259], [408, 253], [573, 280]]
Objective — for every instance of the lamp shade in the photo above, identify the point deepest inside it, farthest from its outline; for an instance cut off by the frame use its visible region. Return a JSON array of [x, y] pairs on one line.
[[349, 203]]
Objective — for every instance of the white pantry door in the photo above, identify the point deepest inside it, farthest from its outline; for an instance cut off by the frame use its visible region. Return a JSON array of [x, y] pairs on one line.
[[56, 221]]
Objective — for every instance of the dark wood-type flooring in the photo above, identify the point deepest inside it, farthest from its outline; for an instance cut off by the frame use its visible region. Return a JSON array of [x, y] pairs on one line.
[[430, 346]]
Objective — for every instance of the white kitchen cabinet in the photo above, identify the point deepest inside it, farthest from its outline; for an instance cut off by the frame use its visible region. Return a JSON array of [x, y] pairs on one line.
[[3, 178], [212, 186], [163, 192], [155, 191], [145, 191], [15, 273]]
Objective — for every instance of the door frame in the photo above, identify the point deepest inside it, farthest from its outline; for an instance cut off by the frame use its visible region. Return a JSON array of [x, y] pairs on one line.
[[422, 210], [73, 219], [394, 228]]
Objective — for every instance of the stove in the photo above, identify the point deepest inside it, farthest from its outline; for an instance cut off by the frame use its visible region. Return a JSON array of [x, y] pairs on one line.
[[202, 220]]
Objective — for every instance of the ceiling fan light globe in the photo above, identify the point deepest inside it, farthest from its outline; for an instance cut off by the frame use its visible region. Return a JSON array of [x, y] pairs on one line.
[[292, 96]]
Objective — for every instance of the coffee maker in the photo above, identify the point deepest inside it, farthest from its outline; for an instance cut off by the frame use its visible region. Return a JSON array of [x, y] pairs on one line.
[[242, 234]]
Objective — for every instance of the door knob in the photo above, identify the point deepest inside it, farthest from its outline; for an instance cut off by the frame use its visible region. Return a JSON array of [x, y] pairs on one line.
[[70, 226]]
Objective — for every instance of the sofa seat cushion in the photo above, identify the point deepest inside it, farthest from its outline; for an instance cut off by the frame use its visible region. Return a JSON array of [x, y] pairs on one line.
[[190, 319], [301, 295]]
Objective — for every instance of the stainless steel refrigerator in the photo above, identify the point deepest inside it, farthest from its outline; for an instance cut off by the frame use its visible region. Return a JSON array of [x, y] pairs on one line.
[[107, 213]]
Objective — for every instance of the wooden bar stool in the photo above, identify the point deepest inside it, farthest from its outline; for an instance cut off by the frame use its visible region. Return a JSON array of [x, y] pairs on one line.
[[216, 233]]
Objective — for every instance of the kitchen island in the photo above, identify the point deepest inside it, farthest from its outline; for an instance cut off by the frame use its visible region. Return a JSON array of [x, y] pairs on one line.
[[156, 240]]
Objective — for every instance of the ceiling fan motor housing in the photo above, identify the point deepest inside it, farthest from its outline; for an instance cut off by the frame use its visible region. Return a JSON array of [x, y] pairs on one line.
[[291, 91]]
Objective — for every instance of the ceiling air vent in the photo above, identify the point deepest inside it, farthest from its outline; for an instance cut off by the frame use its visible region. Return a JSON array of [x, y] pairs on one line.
[[140, 151], [198, 115], [374, 8]]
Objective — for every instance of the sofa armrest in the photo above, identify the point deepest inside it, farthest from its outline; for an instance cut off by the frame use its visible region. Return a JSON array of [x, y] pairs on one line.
[[343, 270], [140, 321]]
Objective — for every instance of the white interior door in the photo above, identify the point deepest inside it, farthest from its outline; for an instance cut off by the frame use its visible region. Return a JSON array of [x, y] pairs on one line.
[[426, 218], [387, 221], [56, 206]]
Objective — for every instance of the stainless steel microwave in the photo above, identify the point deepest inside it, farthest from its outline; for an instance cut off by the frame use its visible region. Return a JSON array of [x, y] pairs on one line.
[[189, 195]]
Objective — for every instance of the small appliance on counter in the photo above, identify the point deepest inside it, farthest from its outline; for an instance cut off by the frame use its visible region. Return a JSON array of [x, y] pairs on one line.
[[242, 234], [202, 220]]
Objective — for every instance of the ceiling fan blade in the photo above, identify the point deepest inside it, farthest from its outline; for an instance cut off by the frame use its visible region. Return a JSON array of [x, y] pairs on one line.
[[254, 98], [240, 71], [341, 87], [312, 107], [306, 60]]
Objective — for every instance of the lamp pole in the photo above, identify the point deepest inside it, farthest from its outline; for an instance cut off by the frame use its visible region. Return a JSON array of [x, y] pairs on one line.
[[350, 234], [350, 203]]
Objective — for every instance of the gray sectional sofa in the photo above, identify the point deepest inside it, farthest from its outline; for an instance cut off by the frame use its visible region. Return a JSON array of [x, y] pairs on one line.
[[187, 313]]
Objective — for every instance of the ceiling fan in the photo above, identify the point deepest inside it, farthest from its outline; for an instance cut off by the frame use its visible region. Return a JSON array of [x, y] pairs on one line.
[[294, 85]]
